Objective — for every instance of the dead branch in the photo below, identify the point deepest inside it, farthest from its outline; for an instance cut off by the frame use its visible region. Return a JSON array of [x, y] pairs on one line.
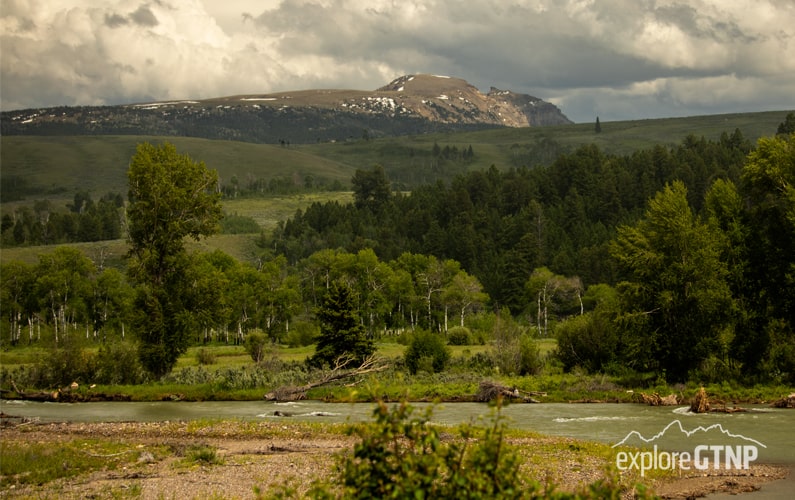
[[371, 364], [657, 400]]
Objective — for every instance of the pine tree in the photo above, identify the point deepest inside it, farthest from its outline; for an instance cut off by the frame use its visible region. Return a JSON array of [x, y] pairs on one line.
[[341, 331]]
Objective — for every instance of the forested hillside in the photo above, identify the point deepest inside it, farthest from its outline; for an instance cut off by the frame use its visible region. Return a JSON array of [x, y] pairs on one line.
[[500, 225]]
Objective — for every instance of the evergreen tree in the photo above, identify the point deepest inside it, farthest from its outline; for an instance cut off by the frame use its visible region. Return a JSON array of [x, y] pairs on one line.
[[371, 188], [787, 126], [341, 331]]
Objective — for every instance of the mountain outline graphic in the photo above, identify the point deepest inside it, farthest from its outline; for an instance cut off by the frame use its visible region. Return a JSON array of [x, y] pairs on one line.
[[687, 433]]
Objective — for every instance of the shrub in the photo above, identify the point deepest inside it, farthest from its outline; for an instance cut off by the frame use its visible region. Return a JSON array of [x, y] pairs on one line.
[[459, 335], [118, 363], [588, 341], [426, 345], [256, 343], [203, 454], [515, 352], [66, 364], [302, 333], [401, 456], [530, 361], [205, 357]]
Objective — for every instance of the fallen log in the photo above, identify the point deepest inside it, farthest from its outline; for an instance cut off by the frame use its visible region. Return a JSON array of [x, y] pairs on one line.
[[785, 402], [297, 393], [68, 394], [655, 399]]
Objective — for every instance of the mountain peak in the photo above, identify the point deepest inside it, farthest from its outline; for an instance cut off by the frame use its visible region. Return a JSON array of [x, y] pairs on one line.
[[426, 84], [409, 104]]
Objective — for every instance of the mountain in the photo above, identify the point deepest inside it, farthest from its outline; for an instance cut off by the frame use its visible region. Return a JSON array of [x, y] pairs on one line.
[[412, 104]]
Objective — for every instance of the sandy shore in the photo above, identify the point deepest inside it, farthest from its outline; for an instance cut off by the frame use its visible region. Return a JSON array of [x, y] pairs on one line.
[[268, 456]]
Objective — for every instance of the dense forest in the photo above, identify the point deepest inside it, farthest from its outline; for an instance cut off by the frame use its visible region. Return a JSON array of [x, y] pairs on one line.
[[689, 251], [501, 225], [677, 261]]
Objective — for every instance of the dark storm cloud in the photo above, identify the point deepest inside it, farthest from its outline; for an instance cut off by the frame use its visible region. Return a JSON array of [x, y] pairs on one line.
[[620, 58], [144, 17], [115, 20]]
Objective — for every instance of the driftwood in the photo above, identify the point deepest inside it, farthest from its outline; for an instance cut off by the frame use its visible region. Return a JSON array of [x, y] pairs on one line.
[[657, 400], [700, 403], [785, 402], [67, 394], [489, 391], [295, 393]]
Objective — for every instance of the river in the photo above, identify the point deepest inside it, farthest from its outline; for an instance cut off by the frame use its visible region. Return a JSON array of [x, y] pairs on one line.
[[771, 431]]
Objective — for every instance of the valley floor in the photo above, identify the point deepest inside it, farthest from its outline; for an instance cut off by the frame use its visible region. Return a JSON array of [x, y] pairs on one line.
[[249, 460]]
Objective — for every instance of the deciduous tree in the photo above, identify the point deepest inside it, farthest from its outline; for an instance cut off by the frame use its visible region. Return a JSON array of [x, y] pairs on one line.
[[675, 300], [171, 197]]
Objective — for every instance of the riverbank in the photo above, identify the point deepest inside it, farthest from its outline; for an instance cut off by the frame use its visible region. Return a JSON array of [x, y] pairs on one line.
[[235, 459]]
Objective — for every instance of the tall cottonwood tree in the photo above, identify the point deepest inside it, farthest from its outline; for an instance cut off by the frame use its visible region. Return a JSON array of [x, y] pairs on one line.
[[171, 197], [676, 300], [766, 343]]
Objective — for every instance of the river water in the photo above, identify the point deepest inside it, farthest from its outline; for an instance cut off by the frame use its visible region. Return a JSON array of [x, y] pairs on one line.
[[771, 431]]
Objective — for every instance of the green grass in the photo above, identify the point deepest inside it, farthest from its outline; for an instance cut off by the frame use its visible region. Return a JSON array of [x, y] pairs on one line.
[[267, 212], [39, 463], [99, 163], [497, 146]]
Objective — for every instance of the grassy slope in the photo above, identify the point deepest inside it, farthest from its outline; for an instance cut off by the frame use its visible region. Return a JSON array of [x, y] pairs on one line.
[[494, 147], [266, 211], [99, 163]]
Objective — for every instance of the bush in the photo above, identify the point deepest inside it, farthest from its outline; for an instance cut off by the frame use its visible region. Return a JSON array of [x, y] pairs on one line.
[[118, 363], [205, 357], [66, 364], [588, 341], [426, 348], [302, 333], [515, 352], [400, 456], [530, 361], [404, 457], [459, 335], [256, 344]]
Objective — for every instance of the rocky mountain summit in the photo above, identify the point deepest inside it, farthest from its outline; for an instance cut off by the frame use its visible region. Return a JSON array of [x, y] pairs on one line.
[[411, 104]]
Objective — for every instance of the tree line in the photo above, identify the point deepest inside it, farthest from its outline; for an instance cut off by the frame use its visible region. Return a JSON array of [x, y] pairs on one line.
[[83, 220]]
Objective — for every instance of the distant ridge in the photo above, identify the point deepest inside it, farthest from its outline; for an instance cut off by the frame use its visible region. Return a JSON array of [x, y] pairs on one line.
[[678, 424], [411, 104]]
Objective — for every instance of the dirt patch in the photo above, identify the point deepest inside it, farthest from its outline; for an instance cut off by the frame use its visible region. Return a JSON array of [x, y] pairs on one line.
[[266, 456]]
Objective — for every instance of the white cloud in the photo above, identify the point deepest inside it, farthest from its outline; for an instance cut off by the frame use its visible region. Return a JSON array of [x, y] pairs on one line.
[[618, 58]]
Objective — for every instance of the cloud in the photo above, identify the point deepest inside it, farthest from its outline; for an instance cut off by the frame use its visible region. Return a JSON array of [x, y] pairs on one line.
[[616, 58]]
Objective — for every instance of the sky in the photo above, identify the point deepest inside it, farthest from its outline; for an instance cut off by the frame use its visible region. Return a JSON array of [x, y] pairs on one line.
[[615, 59]]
